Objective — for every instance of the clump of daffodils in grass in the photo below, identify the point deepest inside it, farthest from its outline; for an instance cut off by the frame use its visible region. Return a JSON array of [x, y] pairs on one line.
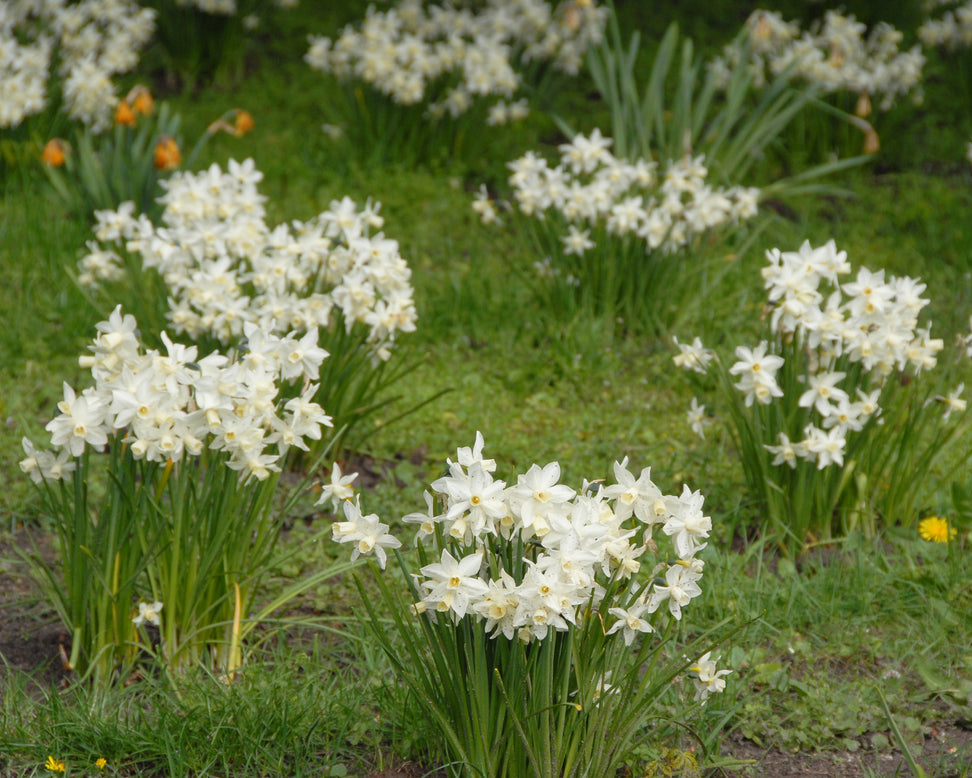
[[218, 267], [952, 30], [446, 62], [160, 481], [91, 42], [612, 232], [834, 414], [543, 623], [839, 55]]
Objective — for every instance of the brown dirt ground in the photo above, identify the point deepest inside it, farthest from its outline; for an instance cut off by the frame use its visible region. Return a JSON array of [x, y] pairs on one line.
[[947, 748]]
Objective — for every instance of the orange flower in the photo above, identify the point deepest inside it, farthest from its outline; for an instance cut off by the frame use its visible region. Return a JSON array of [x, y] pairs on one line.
[[167, 155], [142, 100], [124, 114], [243, 122], [54, 152]]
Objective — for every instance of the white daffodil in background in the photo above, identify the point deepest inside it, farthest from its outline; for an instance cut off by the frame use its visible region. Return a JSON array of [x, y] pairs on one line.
[[339, 489], [812, 398], [148, 613], [408, 51], [697, 418], [707, 679], [839, 54]]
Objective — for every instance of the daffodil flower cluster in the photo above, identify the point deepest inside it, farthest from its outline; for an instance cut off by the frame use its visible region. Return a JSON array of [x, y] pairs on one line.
[[839, 55], [171, 405], [409, 51], [536, 557], [853, 334], [94, 41], [590, 188], [576, 595], [952, 30], [834, 390], [227, 269]]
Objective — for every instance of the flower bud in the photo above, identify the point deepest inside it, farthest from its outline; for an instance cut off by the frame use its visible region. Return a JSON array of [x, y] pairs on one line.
[[54, 153], [243, 122], [167, 155], [142, 101], [124, 114]]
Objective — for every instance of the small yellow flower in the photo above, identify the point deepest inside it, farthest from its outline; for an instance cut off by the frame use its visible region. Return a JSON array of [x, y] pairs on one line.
[[100, 763], [54, 765], [936, 529]]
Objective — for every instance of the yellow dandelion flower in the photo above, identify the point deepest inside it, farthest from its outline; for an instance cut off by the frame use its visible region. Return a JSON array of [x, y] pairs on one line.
[[936, 529], [100, 763], [54, 765]]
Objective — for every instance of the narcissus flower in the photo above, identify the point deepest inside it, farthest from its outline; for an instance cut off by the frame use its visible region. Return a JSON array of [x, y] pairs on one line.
[[697, 418], [167, 155], [339, 489], [757, 374], [707, 678], [954, 402], [54, 152], [147, 614], [367, 533], [629, 622], [936, 529]]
